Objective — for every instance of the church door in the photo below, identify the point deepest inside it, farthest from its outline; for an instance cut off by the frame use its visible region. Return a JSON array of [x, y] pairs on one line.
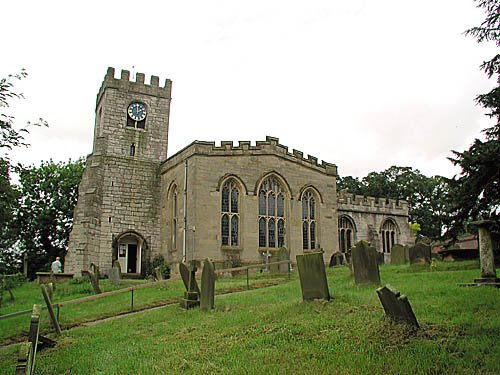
[[131, 258]]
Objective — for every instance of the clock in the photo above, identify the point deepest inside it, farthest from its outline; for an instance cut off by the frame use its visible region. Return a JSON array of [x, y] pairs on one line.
[[137, 111]]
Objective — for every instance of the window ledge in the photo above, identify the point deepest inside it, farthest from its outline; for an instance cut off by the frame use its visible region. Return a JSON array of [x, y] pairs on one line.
[[272, 250], [231, 248]]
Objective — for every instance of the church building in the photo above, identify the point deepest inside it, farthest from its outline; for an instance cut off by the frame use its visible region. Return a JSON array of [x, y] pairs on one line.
[[236, 203]]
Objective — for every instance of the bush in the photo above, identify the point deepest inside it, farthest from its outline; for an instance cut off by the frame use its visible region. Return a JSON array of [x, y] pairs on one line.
[[158, 262]]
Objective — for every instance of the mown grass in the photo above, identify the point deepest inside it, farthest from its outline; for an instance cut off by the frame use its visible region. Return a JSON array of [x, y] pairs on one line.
[[13, 329], [271, 330]]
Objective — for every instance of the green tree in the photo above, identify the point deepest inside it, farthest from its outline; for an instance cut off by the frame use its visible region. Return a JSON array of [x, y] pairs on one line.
[[47, 198], [8, 203], [477, 187], [10, 137], [426, 196]]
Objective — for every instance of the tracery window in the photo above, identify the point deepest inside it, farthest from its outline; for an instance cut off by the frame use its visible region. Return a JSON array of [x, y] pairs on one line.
[[388, 235], [272, 222], [309, 221], [230, 216], [174, 215], [346, 234]]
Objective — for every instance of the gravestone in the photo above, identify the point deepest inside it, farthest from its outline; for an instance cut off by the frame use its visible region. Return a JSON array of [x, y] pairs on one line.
[[281, 255], [192, 294], [27, 352], [114, 275], [364, 260], [399, 254], [396, 306], [312, 276], [94, 278], [158, 274], [117, 264], [337, 259], [486, 255], [50, 291], [207, 298], [420, 253]]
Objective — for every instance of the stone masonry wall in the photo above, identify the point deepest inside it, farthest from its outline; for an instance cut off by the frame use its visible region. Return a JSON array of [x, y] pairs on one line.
[[209, 166]]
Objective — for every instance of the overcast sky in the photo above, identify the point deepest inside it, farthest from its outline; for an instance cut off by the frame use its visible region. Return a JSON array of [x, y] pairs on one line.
[[364, 84]]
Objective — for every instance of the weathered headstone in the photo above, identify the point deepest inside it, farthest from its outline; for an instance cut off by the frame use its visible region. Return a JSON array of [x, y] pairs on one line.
[[207, 298], [50, 291], [158, 274], [337, 259], [114, 275], [396, 306], [116, 263], [25, 359], [281, 255], [94, 277], [486, 255], [312, 276], [27, 352], [420, 253], [364, 260], [399, 254], [192, 294]]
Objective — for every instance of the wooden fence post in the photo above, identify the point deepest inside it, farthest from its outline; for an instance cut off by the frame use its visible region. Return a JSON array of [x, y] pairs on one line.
[[53, 317]]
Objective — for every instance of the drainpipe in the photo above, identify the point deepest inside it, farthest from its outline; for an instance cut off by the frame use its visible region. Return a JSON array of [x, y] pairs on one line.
[[184, 231]]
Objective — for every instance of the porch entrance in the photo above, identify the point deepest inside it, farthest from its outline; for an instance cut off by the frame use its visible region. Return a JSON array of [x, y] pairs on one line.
[[129, 254]]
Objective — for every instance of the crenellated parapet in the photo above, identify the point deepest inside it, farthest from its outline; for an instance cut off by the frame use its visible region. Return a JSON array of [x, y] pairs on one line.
[[345, 198], [139, 85], [270, 146]]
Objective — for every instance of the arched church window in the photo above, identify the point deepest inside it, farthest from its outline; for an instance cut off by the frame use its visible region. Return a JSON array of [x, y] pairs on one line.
[[346, 234], [272, 222], [230, 216], [388, 235], [308, 221], [174, 217]]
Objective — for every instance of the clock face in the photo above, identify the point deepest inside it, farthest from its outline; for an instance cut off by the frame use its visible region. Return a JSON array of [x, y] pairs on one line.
[[137, 111]]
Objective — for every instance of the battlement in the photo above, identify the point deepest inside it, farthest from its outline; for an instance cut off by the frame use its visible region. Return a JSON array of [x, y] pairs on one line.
[[139, 85], [346, 198], [270, 146]]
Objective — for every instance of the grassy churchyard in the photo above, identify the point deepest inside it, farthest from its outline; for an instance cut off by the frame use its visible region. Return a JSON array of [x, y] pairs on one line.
[[270, 330]]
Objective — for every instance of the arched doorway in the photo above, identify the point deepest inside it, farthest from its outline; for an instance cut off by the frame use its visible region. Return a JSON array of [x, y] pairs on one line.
[[130, 251]]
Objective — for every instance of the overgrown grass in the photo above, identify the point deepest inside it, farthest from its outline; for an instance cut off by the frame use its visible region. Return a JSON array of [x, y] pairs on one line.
[[271, 330]]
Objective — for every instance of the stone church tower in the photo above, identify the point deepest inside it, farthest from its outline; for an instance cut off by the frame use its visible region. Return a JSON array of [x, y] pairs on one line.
[[237, 204], [118, 211]]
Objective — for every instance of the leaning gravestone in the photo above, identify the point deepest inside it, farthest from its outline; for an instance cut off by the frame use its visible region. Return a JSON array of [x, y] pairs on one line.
[[399, 254], [364, 260], [396, 306], [207, 286], [192, 293], [420, 253], [312, 276]]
